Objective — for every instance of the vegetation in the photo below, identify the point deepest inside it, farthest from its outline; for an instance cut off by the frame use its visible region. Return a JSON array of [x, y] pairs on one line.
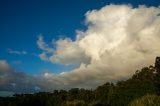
[[147, 100], [142, 89]]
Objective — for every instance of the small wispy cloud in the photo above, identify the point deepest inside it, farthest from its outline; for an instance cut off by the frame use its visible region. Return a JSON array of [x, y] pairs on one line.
[[47, 50], [11, 51], [16, 62], [43, 56], [43, 45]]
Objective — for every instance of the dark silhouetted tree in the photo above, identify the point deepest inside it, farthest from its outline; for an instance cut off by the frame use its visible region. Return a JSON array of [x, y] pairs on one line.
[[157, 64]]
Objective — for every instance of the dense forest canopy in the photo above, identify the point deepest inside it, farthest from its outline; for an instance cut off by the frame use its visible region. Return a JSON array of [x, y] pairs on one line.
[[142, 89]]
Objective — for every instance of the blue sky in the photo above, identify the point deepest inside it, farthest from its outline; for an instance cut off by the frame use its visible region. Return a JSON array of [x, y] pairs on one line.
[[22, 21]]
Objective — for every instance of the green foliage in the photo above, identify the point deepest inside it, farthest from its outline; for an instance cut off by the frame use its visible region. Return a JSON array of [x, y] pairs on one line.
[[147, 100], [157, 64], [146, 73], [131, 89], [157, 67], [142, 89], [104, 93], [76, 103]]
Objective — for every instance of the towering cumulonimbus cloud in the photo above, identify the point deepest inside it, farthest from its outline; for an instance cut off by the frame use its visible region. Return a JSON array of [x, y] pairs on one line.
[[119, 40]]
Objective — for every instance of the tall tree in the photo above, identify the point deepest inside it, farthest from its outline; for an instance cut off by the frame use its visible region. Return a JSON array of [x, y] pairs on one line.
[[157, 64]]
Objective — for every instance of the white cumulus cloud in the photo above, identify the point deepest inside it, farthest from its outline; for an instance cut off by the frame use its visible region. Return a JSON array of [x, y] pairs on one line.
[[119, 40]]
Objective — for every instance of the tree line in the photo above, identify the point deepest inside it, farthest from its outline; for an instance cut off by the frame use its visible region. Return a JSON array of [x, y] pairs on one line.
[[142, 89]]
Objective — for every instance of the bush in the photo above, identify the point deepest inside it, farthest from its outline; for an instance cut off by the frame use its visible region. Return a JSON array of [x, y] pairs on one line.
[[147, 100]]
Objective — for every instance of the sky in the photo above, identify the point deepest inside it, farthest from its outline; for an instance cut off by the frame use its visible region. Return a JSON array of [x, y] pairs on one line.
[[54, 44]]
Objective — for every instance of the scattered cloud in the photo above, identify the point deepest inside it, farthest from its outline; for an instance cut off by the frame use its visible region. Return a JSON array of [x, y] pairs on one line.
[[16, 81], [45, 47], [16, 52], [4, 66], [43, 56]]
